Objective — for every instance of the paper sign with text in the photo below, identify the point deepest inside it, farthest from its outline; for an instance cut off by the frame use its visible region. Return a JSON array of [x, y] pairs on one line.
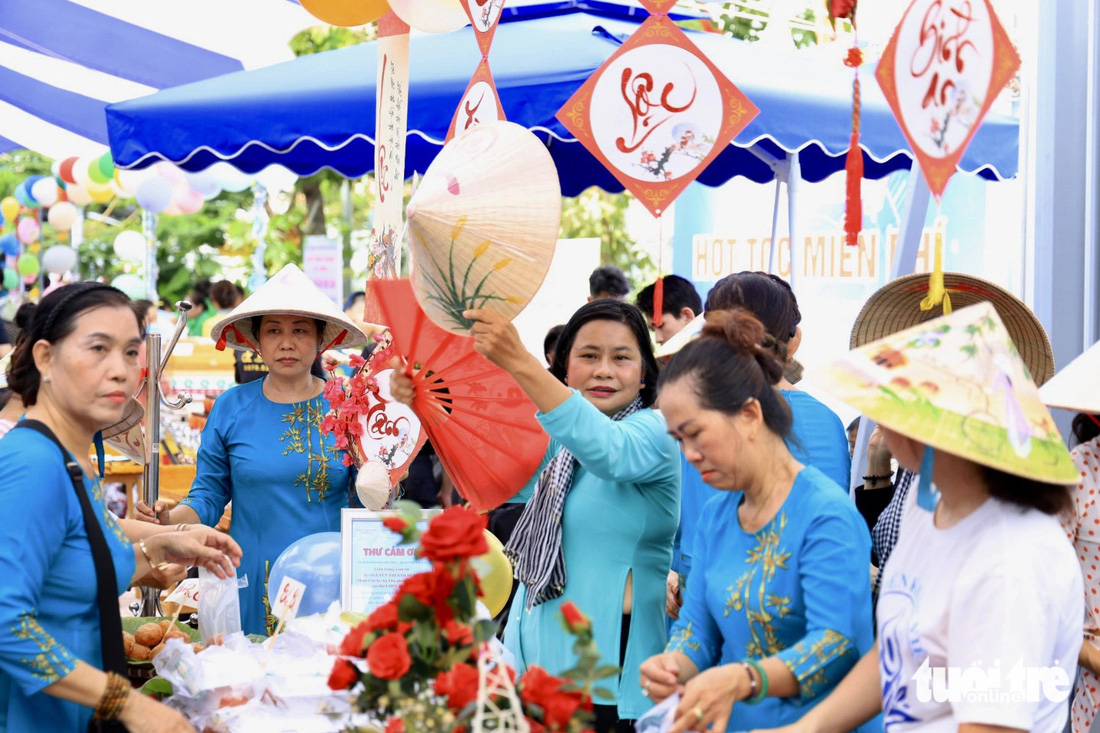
[[289, 599]]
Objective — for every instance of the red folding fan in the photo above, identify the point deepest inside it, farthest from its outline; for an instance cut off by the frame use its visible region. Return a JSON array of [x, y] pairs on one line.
[[480, 422]]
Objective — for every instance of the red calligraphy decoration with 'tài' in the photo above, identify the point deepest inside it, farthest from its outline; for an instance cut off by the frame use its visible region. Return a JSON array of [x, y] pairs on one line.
[[943, 67]]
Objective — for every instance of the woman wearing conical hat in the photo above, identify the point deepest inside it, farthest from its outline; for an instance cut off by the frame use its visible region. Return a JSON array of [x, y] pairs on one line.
[[1074, 388], [262, 447], [979, 616]]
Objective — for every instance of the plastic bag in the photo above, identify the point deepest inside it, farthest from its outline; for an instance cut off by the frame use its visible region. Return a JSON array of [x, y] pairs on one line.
[[659, 718], [219, 605]]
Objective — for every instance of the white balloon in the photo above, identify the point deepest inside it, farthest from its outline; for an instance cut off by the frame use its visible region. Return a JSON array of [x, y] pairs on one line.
[[80, 171], [62, 215], [130, 246], [204, 182], [431, 16], [277, 178], [229, 178], [127, 182], [44, 191], [59, 258], [78, 194]]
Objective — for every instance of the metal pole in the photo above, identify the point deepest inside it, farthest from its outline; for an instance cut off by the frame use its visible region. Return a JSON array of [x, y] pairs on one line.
[[794, 177], [150, 597]]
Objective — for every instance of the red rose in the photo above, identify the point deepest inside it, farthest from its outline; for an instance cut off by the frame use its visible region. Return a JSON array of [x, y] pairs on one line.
[[384, 618], [841, 8], [431, 588], [538, 687], [395, 524], [574, 619], [388, 657], [459, 685], [352, 645], [459, 532], [395, 725], [458, 634], [344, 675]]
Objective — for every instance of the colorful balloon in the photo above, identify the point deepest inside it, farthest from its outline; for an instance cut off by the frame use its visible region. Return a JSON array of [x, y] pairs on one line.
[[10, 245], [132, 285], [80, 172], [204, 182], [130, 246], [187, 199], [494, 573], [59, 258], [23, 196], [346, 13], [106, 165], [65, 170], [9, 207], [28, 230], [313, 561], [169, 172], [45, 191], [154, 194], [11, 279], [95, 173], [78, 194], [62, 215], [101, 193], [28, 265]]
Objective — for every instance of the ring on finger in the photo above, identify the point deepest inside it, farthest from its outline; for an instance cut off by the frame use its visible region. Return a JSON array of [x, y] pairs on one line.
[[645, 688], [698, 712]]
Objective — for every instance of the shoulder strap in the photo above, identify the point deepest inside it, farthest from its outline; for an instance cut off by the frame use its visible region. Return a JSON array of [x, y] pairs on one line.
[[110, 622]]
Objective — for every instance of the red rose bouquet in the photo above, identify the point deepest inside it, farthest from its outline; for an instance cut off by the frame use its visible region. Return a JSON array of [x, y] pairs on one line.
[[422, 649]]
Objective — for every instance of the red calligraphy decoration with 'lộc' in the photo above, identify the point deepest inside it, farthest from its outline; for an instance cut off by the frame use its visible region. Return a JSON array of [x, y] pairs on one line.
[[480, 102], [656, 113], [943, 67]]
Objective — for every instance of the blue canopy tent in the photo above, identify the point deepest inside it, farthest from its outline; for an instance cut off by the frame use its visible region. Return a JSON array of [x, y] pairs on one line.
[[319, 111], [63, 61]]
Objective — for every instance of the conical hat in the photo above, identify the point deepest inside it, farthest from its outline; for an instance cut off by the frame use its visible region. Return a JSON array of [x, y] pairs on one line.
[[958, 384], [1076, 387], [289, 292], [682, 337], [483, 224], [897, 305]]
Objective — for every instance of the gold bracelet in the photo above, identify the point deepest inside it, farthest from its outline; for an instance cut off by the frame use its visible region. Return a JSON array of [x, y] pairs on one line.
[[161, 567], [114, 697]]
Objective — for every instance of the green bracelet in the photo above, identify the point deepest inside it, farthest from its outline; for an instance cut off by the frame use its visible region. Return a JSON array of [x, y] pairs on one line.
[[763, 691]]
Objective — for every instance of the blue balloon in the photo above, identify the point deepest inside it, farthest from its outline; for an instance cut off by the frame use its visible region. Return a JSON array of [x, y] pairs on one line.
[[9, 244], [313, 561], [23, 196]]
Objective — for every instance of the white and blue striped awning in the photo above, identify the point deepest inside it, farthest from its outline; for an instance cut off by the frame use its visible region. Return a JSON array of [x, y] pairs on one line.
[[63, 61]]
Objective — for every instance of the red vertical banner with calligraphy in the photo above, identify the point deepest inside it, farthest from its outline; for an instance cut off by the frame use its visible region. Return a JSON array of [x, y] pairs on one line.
[[940, 72], [656, 113], [391, 124]]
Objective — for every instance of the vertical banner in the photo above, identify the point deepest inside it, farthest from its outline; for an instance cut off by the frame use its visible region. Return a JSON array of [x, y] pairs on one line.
[[323, 263], [391, 124]]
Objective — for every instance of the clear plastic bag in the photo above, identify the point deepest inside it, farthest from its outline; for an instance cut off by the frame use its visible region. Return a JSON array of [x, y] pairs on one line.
[[660, 717], [219, 605]]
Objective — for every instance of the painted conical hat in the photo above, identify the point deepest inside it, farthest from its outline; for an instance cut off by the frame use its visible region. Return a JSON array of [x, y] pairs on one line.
[[126, 436], [289, 292], [958, 384], [1077, 386], [483, 224]]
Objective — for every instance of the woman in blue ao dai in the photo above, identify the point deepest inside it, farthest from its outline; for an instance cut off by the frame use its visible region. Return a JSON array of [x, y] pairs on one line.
[[779, 605]]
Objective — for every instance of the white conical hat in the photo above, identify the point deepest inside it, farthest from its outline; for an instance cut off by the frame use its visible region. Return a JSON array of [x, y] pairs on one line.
[[289, 292], [1075, 387], [682, 337], [126, 436]]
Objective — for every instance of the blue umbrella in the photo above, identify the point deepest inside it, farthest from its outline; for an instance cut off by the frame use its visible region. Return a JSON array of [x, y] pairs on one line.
[[319, 111]]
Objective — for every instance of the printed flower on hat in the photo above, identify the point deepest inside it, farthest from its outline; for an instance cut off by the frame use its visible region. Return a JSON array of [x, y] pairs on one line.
[[657, 112], [940, 72]]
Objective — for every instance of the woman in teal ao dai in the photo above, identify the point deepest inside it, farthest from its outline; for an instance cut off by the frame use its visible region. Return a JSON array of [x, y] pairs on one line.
[[779, 607], [598, 530], [262, 447]]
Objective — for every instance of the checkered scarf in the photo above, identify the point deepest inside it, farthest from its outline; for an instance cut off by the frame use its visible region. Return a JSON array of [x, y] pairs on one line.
[[535, 546]]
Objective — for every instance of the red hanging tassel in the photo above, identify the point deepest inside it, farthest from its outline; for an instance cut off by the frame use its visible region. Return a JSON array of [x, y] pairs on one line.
[[659, 302], [853, 163]]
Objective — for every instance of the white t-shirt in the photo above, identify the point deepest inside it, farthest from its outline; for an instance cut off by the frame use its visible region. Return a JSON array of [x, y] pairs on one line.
[[991, 605]]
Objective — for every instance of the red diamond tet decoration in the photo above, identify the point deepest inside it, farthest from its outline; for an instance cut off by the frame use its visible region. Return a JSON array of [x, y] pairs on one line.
[[483, 15], [945, 64], [658, 7], [656, 113], [480, 102]]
